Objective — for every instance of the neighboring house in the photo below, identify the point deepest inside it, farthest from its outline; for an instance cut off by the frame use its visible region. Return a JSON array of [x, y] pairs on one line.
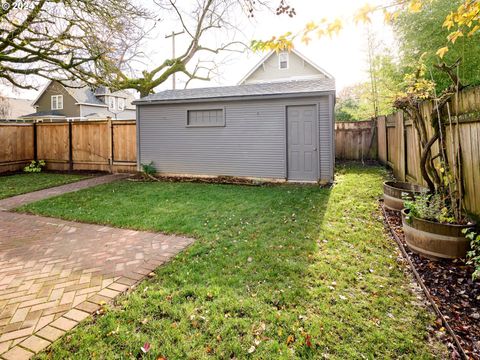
[[277, 124], [284, 66], [12, 108], [77, 102]]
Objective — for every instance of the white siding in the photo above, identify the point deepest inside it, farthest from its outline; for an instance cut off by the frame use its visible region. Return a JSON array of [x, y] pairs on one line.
[[103, 112]]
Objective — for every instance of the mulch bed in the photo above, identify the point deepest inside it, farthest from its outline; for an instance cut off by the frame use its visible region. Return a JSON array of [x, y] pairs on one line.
[[208, 180], [451, 287]]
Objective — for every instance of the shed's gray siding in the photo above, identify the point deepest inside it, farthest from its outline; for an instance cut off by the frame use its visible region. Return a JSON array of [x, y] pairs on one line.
[[326, 135], [251, 144]]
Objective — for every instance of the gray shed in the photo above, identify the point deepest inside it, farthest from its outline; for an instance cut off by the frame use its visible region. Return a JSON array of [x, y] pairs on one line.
[[274, 131]]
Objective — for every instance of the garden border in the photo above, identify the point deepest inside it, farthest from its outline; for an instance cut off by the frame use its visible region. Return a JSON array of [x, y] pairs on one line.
[[434, 306]]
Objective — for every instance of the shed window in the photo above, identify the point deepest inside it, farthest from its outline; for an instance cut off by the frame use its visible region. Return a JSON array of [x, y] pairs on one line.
[[213, 117], [283, 60], [57, 102]]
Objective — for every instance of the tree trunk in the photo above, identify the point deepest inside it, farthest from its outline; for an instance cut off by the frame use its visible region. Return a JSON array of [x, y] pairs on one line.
[[426, 154]]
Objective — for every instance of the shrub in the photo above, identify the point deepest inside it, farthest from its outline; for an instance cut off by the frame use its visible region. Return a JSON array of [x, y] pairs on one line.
[[149, 169], [432, 207], [34, 166], [473, 256]]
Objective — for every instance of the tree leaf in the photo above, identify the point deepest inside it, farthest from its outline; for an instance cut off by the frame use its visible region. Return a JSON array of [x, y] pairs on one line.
[[442, 51]]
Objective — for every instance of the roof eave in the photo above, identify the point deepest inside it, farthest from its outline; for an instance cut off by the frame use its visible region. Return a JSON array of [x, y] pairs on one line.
[[31, 116], [236, 98], [91, 104], [34, 102], [253, 69]]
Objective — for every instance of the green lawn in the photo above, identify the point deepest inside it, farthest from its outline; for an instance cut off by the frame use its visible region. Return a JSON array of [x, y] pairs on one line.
[[278, 272], [11, 185]]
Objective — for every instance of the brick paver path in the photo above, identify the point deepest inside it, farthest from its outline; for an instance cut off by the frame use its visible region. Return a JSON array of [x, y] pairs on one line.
[[55, 273], [19, 200]]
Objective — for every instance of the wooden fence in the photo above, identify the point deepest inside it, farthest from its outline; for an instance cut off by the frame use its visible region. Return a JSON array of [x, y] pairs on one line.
[[104, 145], [356, 140], [398, 145], [16, 146]]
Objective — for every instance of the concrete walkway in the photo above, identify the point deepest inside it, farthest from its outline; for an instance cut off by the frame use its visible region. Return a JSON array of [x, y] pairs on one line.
[[19, 200], [55, 273]]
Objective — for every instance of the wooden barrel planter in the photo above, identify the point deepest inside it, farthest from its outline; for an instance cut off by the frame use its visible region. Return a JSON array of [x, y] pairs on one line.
[[394, 192], [434, 240]]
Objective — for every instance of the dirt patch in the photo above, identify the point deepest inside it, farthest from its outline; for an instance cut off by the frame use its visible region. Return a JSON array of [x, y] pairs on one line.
[[453, 290]]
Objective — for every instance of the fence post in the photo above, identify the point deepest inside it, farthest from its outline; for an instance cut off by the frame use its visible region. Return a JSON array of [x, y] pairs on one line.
[[403, 150], [70, 146], [110, 143], [373, 134], [386, 140], [35, 148]]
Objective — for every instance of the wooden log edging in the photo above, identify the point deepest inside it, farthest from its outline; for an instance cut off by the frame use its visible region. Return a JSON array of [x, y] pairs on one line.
[[420, 282]]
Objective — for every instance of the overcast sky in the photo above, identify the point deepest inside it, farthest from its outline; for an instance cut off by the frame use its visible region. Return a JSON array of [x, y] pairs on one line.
[[343, 55]]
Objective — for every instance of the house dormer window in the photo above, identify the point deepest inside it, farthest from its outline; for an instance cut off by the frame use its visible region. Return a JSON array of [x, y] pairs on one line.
[[57, 102], [121, 104], [283, 60], [112, 103]]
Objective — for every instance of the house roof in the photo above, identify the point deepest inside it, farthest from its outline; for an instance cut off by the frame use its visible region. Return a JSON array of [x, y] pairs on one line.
[[18, 107], [49, 113], [275, 89], [303, 57], [83, 94]]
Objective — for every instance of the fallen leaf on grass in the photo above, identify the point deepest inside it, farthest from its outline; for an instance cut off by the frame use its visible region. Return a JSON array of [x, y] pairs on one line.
[[290, 339], [114, 331], [145, 348], [308, 341]]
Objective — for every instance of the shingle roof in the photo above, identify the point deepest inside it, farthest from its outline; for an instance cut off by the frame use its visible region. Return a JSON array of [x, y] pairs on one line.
[[18, 107], [86, 95], [83, 94], [250, 90], [45, 113]]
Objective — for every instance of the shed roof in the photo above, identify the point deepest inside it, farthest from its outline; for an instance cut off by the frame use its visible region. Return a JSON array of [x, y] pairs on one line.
[[276, 89]]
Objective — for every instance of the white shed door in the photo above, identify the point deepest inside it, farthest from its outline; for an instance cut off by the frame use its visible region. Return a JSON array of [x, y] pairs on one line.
[[302, 143]]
